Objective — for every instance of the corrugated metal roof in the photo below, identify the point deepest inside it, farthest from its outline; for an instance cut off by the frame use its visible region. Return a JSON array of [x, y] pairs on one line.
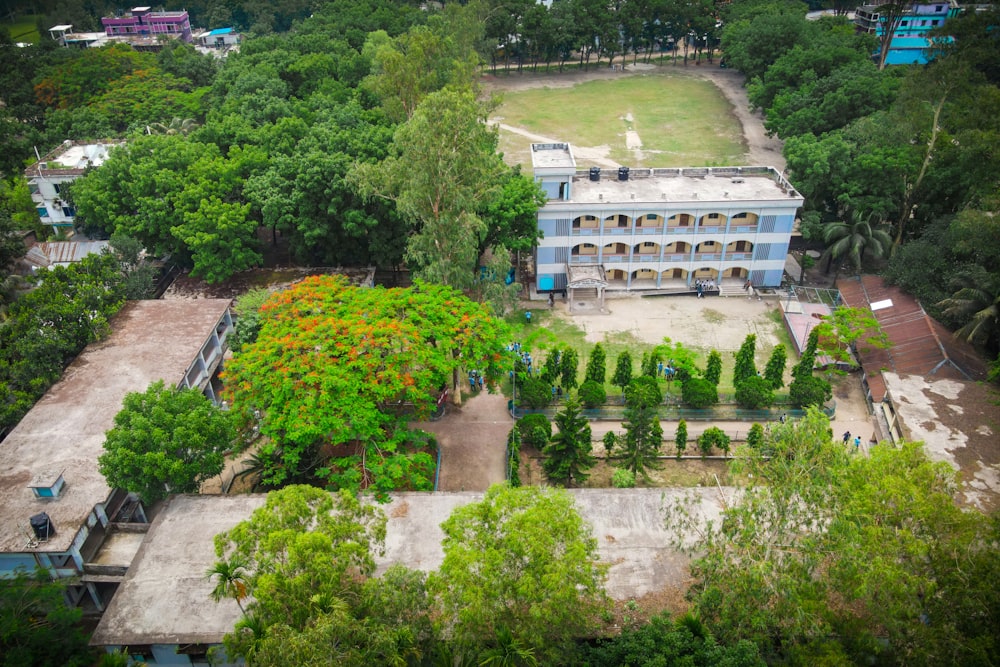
[[67, 252], [919, 344]]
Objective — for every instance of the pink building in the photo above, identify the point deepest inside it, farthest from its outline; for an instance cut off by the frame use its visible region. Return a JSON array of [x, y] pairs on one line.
[[142, 22]]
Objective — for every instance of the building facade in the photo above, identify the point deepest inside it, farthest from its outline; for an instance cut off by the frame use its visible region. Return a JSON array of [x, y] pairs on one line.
[[59, 512], [49, 177], [143, 22], [911, 43], [661, 229]]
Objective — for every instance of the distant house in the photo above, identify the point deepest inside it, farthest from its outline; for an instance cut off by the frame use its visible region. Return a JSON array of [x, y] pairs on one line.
[[220, 38], [142, 22], [142, 28], [49, 177], [911, 43], [60, 253]]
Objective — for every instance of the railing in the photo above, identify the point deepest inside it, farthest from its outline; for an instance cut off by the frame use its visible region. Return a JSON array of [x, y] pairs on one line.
[[680, 230], [718, 413]]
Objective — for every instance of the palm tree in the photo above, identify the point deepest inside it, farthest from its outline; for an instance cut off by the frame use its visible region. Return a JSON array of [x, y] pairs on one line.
[[508, 652], [232, 578], [854, 239], [176, 126], [978, 305]]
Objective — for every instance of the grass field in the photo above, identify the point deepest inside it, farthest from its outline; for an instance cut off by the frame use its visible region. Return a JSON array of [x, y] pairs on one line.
[[24, 29], [680, 120]]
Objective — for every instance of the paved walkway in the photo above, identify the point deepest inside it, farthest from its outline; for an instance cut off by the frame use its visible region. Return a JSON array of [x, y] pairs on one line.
[[473, 442]]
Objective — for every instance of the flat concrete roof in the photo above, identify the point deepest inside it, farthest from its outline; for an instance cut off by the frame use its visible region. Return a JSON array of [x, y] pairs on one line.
[[668, 186], [150, 340], [165, 597], [544, 156]]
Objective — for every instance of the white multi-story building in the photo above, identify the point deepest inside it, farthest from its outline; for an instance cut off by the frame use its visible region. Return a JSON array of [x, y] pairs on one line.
[[660, 229], [48, 178]]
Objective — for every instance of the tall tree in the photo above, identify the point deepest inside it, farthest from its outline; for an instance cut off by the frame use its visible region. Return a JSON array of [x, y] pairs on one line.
[[978, 305], [623, 371], [521, 561], [567, 454], [713, 367], [848, 330], [443, 170], [681, 437], [569, 363], [337, 372], [596, 365], [38, 627], [309, 557], [164, 441], [745, 364], [815, 562], [643, 438], [855, 239], [774, 372]]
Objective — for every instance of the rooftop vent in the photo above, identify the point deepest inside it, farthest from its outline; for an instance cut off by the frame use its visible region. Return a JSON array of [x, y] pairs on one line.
[[622, 173], [42, 526], [47, 484], [595, 173]]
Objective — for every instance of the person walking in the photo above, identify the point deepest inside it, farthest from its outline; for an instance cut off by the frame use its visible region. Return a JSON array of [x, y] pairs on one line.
[[847, 436], [857, 443], [527, 316]]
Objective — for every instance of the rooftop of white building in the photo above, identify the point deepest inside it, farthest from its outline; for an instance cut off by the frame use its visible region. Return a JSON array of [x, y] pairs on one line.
[[71, 158], [64, 431], [649, 186], [165, 596]]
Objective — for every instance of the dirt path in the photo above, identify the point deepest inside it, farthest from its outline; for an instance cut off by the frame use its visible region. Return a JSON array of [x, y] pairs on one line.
[[760, 148], [473, 442]]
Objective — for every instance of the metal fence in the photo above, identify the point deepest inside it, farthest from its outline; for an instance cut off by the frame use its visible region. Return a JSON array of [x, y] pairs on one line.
[[716, 413]]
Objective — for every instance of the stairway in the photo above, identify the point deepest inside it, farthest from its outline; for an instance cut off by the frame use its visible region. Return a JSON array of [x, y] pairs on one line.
[[732, 289]]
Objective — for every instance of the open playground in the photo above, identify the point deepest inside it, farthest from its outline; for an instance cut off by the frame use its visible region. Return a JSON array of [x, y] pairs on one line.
[[648, 117]]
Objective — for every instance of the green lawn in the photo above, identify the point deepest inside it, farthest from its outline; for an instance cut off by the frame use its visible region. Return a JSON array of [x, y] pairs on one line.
[[681, 120], [547, 332], [24, 29]]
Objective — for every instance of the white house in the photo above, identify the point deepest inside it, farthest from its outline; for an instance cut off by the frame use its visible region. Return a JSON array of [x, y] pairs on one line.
[[660, 229], [48, 178]]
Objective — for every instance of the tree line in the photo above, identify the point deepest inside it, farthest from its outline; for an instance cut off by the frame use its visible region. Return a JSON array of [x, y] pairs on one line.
[[896, 163]]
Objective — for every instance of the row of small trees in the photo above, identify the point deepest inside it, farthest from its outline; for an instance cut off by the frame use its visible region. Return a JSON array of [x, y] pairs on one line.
[[699, 388]]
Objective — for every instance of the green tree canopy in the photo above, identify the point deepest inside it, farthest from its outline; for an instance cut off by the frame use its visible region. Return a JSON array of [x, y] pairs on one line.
[[336, 372], [640, 446], [521, 561], [596, 365], [308, 560], [774, 372], [165, 441], [37, 627], [847, 557], [745, 363], [623, 370]]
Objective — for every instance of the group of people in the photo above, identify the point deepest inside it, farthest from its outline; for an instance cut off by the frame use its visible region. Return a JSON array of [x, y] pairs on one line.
[[666, 370], [476, 381], [857, 440], [701, 286]]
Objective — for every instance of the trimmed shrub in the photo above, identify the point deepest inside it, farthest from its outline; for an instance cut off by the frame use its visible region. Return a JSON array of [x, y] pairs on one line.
[[533, 392], [713, 437], [592, 394], [535, 430], [754, 393], [699, 393], [807, 390], [622, 478]]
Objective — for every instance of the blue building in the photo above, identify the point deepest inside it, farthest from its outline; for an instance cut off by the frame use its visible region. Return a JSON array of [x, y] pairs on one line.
[[911, 43], [659, 229]]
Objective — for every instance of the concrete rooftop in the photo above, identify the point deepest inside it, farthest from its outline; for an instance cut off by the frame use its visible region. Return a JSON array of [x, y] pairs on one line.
[[64, 431], [165, 595], [665, 186]]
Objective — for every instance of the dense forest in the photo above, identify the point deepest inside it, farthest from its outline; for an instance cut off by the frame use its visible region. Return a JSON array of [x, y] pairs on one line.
[[352, 131]]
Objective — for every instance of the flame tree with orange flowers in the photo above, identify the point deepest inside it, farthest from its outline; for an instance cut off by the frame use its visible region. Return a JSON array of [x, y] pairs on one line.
[[336, 373]]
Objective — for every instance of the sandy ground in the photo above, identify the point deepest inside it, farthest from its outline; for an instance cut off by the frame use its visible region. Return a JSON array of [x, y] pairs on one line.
[[760, 148]]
